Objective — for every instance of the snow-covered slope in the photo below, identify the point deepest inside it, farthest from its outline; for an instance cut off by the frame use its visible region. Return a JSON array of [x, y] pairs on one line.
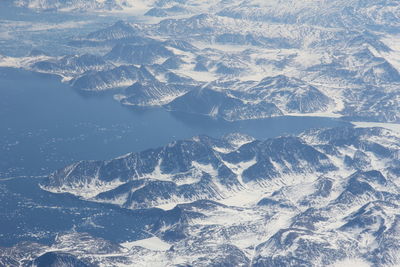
[[327, 196], [339, 58]]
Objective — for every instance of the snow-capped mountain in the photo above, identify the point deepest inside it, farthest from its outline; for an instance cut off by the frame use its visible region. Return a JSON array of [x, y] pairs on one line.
[[327, 196], [72, 65], [119, 30], [218, 104], [121, 76], [327, 58], [150, 93], [192, 165]]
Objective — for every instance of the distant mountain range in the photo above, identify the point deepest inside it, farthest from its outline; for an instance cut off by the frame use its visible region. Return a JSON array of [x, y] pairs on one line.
[[72, 5], [327, 58]]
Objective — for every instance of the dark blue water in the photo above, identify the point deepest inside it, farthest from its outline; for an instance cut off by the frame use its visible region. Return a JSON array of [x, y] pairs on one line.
[[45, 125], [28, 213]]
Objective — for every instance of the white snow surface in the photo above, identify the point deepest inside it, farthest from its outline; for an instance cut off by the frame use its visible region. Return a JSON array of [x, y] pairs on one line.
[[152, 243]]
